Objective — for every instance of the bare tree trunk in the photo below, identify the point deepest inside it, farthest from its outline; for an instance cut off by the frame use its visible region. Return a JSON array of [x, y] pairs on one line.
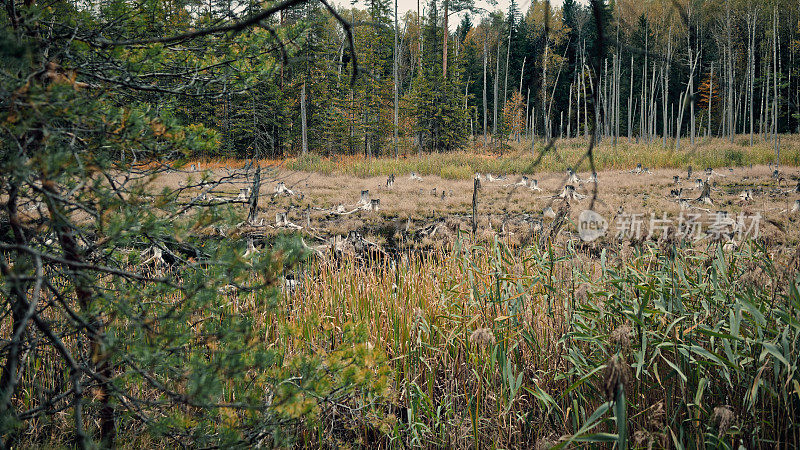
[[671, 117], [496, 85], [690, 95], [396, 84], [730, 72], [693, 119], [585, 108], [527, 110], [630, 106], [466, 94], [485, 106], [618, 78], [665, 90], [685, 97], [253, 200], [775, 86], [508, 57], [764, 105], [616, 94], [678, 124], [750, 66], [643, 105], [738, 118], [303, 118], [595, 91], [472, 123], [341, 58], [569, 112], [227, 135], [605, 109], [651, 118], [578, 103], [788, 82], [796, 90], [710, 97], [585, 98], [544, 92]]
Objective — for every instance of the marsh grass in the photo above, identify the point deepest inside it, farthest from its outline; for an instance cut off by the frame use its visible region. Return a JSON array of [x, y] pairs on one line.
[[518, 158], [496, 346]]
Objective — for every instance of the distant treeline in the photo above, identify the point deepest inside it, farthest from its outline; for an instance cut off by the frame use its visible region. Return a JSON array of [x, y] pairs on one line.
[[646, 70]]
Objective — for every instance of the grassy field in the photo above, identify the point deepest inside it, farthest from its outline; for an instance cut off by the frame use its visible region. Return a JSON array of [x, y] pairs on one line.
[[519, 159]]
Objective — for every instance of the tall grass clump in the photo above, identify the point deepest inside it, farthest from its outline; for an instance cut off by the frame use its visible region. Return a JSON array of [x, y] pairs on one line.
[[495, 346]]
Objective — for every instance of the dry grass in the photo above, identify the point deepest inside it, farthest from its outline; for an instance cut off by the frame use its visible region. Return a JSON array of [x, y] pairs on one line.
[[518, 158], [509, 208], [335, 182]]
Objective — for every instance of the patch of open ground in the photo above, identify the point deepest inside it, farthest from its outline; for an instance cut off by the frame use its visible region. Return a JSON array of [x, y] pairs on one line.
[[324, 206]]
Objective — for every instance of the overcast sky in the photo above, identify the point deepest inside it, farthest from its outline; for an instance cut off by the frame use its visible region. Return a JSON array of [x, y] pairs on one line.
[[411, 5]]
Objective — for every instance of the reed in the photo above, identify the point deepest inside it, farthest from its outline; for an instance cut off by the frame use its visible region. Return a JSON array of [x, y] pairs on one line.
[[496, 345], [504, 347]]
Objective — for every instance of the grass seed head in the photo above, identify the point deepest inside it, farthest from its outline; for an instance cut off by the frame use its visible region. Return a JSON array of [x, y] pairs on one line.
[[723, 416], [641, 438], [582, 293], [657, 415], [544, 444], [482, 337], [622, 336], [617, 373]]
